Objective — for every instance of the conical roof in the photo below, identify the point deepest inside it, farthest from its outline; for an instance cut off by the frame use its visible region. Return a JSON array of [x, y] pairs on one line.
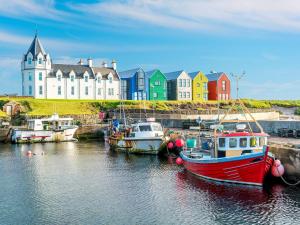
[[36, 47]]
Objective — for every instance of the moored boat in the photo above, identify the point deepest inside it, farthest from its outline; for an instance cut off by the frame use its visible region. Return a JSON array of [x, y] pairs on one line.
[[238, 156], [53, 129], [140, 138]]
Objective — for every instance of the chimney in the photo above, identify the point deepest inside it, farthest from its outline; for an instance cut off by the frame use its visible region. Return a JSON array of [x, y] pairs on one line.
[[90, 62], [114, 64], [104, 64], [80, 62], [212, 71]]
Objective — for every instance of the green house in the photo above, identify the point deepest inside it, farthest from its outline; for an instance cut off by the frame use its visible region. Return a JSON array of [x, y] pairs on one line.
[[156, 84]]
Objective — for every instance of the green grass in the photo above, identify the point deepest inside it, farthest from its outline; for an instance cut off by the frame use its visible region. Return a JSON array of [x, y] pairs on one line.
[[297, 111], [40, 107]]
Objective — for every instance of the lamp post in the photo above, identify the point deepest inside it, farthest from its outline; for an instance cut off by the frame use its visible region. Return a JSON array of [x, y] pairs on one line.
[[237, 78]]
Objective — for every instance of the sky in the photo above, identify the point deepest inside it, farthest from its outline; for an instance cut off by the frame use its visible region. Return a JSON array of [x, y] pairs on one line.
[[260, 37]]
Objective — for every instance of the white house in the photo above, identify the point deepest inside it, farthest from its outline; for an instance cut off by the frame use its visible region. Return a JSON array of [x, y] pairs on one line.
[[179, 85], [43, 79]]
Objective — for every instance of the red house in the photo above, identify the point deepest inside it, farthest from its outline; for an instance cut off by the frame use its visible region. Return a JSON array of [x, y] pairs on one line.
[[218, 86]]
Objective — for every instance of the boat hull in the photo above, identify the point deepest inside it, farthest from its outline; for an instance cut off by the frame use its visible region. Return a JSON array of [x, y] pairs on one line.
[[137, 146], [27, 136], [251, 169]]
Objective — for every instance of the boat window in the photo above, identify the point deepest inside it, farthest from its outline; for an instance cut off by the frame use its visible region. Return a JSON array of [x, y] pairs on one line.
[[135, 129], [156, 127], [222, 142], [243, 142], [253, 142], [145, 128], [261, 141], [232, 142]]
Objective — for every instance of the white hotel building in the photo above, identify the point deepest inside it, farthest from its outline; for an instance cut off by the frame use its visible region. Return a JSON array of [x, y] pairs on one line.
[[43, 79]]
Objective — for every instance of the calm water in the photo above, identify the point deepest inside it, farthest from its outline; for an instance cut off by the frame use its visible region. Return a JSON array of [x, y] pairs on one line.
[[84, 183]]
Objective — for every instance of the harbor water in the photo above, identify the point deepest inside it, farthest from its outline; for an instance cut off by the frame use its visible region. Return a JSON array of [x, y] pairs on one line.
[[85, 183]]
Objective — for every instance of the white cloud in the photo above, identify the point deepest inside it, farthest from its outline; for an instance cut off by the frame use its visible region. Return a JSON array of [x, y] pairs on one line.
[[201, 14]]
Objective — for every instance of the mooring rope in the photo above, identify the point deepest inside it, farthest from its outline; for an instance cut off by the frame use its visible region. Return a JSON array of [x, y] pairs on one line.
[[286, 182]]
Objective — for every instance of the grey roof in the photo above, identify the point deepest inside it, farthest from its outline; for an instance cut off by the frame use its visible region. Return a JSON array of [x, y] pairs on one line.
[[36, 47], [79, 70], [105, 71], [173, 75], [194, 74], [129, 73], [214, 76], [148, 74]]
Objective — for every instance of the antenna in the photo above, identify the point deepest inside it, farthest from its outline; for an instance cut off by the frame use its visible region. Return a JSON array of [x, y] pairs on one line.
[[237, 78]]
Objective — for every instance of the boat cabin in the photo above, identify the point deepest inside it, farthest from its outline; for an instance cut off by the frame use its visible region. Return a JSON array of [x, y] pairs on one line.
[[52, 123], [240, 143], [146, 130]]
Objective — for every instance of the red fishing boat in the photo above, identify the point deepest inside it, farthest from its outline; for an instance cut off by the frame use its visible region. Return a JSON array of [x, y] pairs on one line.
[[237, 156]]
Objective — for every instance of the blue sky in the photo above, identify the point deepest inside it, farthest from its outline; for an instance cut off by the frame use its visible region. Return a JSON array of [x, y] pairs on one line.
[[261, 37]]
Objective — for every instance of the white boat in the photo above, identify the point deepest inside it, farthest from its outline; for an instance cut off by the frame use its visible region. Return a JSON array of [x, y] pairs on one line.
[[141, 137], [53, 129]]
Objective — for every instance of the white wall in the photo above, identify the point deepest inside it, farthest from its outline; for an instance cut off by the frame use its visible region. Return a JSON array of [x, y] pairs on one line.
[[186, 91]]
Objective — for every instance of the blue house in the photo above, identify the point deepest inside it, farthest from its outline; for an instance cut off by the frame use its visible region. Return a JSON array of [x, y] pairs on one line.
[[133, 86]]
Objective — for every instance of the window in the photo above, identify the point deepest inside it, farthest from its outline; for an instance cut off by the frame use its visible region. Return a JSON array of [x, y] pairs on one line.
[[29, 76], [59, 77], [40, 76], [261, 141], [223, 85], [157, 127], [30, 90], [165, 94], [180, 94], [188, 95], [157, 83], [198, 84], [110, 80], [86, 90], [86, 78], [135, 129], [40, 61], [205, 97], [154, 95], [29, 61], [243, 142], [205, 86], [253, 142], [232, 142], [111, 92], [99, 80], [180, 82], [72, 90], [40, 90], [184, 94], [198, 96], [145, 128], [99, 91], [184, 83], [221, 142], [72, 78], [59, 90], [165, 84], [188, 82]]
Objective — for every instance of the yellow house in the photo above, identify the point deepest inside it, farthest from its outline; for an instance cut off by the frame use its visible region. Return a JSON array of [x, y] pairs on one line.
[[200, 89]]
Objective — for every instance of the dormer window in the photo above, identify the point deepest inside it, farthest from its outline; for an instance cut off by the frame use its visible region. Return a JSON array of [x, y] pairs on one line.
[[86, 78], [99, 80], [59, 77], [110, 80], [40, 61], [72, 78], [29, 61]]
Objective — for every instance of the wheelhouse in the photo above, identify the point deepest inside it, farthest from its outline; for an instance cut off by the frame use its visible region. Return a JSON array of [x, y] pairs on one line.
[[149, 129]]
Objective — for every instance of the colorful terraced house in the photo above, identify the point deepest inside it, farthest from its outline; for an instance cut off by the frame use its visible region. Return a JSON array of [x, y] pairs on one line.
[[179, 85], [156, 85], [133, 85], [200, 88], [218, 86]]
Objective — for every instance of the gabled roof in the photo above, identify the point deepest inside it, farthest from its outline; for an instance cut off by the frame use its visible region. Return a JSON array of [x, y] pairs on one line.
[[173, 75], [194, 74], [105, 71], [129, 73], [36, 47], [214, 76], [151, 72], [79, 70]]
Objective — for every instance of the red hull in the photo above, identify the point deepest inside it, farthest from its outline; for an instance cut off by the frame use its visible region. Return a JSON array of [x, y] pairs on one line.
[[246, 171]]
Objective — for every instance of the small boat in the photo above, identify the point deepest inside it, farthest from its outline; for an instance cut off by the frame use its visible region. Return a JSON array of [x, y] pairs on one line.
[[4, 131], [140, 138], [53, 129], [239, 156]]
